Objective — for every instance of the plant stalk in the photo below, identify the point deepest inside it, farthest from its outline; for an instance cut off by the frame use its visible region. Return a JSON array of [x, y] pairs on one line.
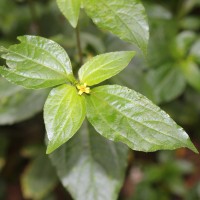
[[35, 25], [78, 41]]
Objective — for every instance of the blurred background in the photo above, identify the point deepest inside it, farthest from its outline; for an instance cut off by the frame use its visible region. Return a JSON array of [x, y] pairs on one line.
[[169, 76]]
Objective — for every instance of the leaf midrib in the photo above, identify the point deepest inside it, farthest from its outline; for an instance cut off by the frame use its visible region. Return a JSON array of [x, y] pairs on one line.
[[51, 55], [130, 31], [136, 103], [140, 122], [96, 68], [61, 101], [33, 61], [99, 113]]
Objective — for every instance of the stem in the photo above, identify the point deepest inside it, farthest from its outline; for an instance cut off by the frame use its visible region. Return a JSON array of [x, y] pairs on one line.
[[32, 10], [78, 41], [35, 26]]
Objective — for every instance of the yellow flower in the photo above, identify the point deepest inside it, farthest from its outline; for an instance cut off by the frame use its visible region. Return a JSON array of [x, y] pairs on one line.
[[83, 89]]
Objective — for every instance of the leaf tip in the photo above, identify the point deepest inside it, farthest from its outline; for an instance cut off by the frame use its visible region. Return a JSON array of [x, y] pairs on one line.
[[194, 149], [191, 146], [132, 53], [49, 149], [53, 145], [73, 23]]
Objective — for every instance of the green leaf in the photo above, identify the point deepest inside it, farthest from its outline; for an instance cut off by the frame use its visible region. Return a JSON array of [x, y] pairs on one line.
[[38, 179], [186, 7], [183, 43], [37, 63], [167, 82], [156, 11], [104, 66], [89, 39], [7, 88], [195, 51], [70, 9], [191, 72], [124, 18], [11, 17], [162, 84], [190, 23], [121, 114], [18, 104], [134, 77], [163, 33], [64, 112], [91, 167]]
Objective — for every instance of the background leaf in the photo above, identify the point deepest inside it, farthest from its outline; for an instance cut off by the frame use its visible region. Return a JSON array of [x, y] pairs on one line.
[[121, 114], [64, 112], [195, 51], [91, 167], [124, 18], [167, 82], [37, 63], [39, 178], [18, 104], [104, 66], [182, 43], [70, 9], [191, 72]]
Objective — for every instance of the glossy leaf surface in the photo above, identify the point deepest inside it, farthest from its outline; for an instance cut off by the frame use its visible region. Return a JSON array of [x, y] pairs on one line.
[[121, 114], [91, 167], [36, 63], [104, 66], [64, 112], [39, 178], [18, 104], [70, 9], [124, 18]]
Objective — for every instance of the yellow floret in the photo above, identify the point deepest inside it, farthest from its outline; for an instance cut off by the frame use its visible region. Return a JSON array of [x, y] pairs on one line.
[[83, 89]]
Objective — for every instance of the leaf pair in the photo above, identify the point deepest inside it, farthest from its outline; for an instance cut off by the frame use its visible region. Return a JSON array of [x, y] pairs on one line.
[[65, 109], [116, 112], [124, 18]]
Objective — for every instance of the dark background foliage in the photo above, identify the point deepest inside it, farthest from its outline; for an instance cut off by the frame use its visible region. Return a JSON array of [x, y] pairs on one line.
[[169, 76]]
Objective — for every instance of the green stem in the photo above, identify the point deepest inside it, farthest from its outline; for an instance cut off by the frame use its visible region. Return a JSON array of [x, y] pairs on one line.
[[78, 41], [33, 12]]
